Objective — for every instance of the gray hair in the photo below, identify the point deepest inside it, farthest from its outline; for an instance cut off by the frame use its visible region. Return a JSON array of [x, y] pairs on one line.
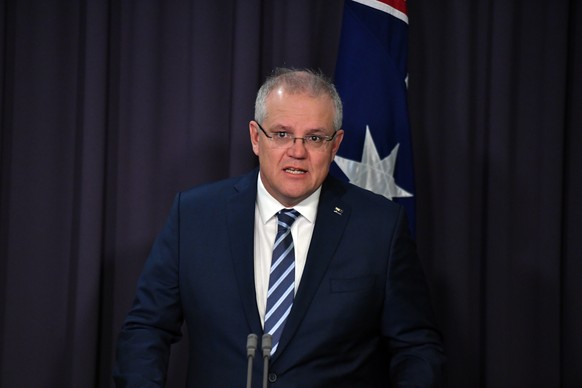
[[296, 82]]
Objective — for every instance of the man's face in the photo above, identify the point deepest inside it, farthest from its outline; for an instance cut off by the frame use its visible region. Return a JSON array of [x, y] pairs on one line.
[[292, 174]]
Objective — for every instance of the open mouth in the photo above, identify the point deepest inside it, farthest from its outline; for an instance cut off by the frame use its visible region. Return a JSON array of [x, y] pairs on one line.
[[295, 171]]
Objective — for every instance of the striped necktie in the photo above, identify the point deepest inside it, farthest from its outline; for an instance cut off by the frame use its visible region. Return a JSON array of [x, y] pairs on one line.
[[281, 278]]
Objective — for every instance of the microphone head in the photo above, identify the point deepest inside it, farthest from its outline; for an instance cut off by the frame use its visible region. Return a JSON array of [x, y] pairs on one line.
[[252, 341], [267, 345]]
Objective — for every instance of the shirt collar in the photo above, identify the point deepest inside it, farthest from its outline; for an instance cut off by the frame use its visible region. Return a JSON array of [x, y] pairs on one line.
[[268, 206]]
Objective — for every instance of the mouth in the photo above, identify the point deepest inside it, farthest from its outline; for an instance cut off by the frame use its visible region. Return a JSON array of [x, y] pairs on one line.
[[294, 171]]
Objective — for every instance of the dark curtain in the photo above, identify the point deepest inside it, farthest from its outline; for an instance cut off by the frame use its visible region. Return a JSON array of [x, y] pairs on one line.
[[107, 109], [495, 96]]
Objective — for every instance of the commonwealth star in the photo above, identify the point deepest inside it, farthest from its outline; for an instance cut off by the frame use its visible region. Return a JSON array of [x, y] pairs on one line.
[[373, 173]]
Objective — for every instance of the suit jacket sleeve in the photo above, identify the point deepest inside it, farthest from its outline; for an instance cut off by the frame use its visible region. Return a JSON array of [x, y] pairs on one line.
[[155, 319], [415, 345]]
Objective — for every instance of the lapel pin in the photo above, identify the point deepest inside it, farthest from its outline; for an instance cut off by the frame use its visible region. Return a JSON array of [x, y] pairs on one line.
[[339, 211]]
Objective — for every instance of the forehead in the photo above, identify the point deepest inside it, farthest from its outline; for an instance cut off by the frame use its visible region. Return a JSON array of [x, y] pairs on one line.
[[282, 105]]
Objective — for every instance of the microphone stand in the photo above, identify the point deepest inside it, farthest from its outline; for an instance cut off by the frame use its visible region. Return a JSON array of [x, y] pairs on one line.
[[252, 341], [266, 345]]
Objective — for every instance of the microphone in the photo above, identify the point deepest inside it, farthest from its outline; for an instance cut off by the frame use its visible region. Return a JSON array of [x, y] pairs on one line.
[[266, 345], [252, 341]]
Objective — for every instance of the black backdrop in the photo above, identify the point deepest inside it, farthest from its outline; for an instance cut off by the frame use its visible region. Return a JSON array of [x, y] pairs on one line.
[[109, 108]]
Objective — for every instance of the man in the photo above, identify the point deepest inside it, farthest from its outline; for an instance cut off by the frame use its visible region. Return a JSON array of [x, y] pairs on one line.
[[354, 310]]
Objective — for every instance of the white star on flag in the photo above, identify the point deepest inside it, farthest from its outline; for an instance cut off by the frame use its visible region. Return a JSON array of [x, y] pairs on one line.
[[373, 173]]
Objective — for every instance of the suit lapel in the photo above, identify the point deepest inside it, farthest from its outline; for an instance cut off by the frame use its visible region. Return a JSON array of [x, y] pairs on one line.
[[332, 217], [240, 224]]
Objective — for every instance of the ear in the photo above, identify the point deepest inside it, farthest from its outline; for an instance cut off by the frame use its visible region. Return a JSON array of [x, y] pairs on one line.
[[254, 134], [336, 142]]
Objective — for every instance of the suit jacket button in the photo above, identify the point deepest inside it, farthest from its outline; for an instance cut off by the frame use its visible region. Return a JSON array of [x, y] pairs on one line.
[[272, 377]]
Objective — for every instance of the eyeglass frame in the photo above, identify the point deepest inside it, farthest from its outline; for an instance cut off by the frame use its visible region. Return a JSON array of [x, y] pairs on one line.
[[304, 138]]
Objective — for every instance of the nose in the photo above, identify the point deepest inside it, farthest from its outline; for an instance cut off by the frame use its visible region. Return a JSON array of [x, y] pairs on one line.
[[297, 149]]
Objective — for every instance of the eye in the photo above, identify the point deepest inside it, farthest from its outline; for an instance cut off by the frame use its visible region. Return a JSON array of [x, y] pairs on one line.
[[280, 135], [314, 138]]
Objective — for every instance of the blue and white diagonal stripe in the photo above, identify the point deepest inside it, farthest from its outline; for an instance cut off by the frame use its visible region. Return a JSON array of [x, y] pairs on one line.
[[281, 278]]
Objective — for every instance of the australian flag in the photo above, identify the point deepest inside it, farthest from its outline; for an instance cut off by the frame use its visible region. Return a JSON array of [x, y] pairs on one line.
[[371, 76]]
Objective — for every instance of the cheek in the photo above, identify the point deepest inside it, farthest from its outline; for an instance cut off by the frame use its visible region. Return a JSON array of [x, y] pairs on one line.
[[267, 158], [324, 161]]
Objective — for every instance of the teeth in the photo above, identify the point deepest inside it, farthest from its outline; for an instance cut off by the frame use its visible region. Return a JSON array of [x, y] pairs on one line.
[[294, 171]]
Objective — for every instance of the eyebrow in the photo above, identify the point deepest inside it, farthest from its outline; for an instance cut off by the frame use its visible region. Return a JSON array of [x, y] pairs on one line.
[[284, 128]]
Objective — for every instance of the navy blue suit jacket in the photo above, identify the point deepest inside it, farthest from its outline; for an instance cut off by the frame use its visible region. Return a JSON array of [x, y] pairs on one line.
[[361, 316]]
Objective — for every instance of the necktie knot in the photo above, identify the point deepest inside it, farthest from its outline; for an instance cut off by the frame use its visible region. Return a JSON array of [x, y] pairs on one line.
[[286, 217]]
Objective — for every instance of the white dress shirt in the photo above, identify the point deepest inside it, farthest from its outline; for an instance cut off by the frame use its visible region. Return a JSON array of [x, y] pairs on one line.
[[266, 209]]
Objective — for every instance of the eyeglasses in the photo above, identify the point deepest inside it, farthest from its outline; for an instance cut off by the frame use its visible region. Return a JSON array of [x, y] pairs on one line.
[[282, 139]]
